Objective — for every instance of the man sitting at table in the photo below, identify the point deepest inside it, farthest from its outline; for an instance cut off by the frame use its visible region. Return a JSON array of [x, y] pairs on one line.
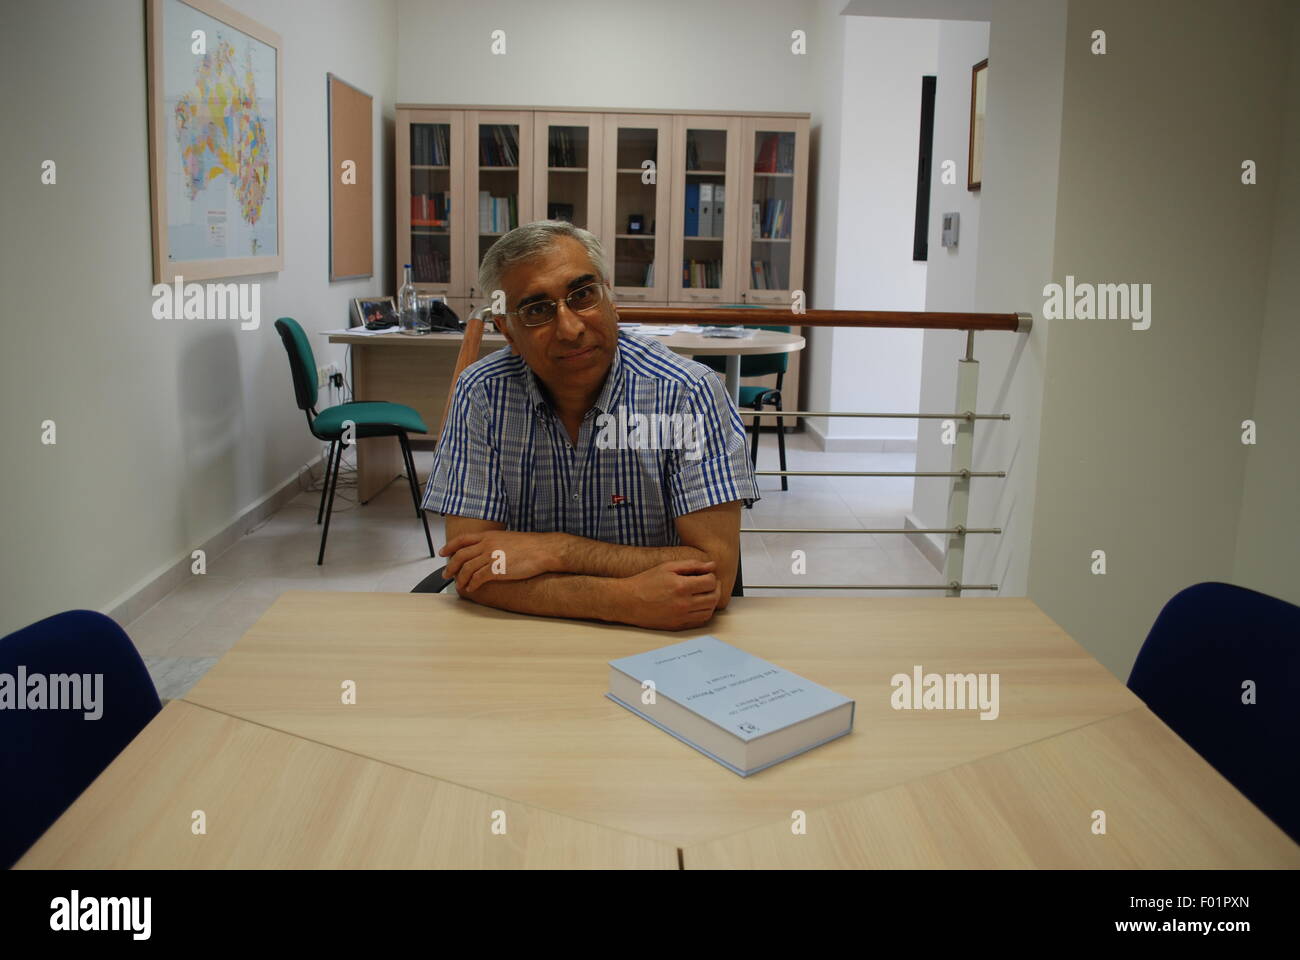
[[585, 472]]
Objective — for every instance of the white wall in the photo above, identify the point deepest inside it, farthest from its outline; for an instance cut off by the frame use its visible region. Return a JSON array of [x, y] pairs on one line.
[[880, 104], [824, 207], [1018, 233], [1016, 236], [1140, 452], [670, 55], [933, 9], [1268, 536], [950, 272], [167, 430]]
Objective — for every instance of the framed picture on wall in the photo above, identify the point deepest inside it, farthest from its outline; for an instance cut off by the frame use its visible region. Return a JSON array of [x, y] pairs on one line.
[[979, 84], [215, 141]]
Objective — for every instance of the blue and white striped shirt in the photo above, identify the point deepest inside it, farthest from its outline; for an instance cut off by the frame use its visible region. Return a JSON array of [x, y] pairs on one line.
[[506, 457]]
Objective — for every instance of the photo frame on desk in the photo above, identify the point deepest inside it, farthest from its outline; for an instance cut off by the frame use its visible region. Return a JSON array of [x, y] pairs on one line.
[[374, 310], [214, 179]]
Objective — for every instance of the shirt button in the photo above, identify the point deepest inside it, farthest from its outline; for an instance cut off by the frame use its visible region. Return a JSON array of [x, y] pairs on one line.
[[575, 496]]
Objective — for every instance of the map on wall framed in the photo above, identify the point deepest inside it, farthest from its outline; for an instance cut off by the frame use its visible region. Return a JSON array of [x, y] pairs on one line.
[[215, 141]]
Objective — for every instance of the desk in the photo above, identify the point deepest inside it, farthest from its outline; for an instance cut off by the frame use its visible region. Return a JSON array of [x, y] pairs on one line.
[[399, 368], [416, 371], [1033, 807], [274, 800], [513, 707]]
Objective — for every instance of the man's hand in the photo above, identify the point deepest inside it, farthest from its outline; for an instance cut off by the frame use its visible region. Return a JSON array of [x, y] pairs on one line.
[[673, 595], [475, 559]]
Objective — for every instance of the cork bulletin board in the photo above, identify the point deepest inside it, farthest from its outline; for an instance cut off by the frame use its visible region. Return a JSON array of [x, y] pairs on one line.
[[352, 180]]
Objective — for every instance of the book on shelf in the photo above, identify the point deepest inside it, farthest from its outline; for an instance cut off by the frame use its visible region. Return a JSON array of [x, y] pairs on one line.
[[775, 220], [562, 151], [692, 226], [497, 214], [719, 208], [430, 144], [429, 263], [431, 209], [737, 709], [775, 153], [705, 228], [702, 273], [497, 146]]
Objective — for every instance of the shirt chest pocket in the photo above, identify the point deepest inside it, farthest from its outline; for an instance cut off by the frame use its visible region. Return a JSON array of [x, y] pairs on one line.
[[633, 501]]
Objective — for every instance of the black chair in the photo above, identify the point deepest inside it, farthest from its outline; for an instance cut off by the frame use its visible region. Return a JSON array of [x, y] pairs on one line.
[[436, 582], [756, 398], [1207, 642], [370, 419], [48, 757]]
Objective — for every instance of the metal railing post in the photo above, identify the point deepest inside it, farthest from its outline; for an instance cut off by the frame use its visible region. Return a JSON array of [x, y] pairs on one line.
[[963, 452], [968, 375]]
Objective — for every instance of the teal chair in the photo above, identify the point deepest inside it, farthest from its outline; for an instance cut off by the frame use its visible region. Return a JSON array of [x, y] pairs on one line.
[[372, 419], [755, 398]]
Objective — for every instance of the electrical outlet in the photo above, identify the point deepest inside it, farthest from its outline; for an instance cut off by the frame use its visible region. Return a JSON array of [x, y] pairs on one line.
[[322, 374]]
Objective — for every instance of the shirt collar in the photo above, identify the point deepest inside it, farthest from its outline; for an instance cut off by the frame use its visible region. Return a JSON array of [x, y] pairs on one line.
[[609, 393]]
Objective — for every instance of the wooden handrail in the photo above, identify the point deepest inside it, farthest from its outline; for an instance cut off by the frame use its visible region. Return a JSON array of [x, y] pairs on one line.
[[469, 348], [767, 316], [782, 316]]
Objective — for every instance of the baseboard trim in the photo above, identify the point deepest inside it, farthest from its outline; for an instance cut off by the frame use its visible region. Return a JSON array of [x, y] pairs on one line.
[[861, 444], [134, 602], [929, 545]]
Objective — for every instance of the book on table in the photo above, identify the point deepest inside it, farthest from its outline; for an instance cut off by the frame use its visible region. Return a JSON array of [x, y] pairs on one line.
[[733, 707]]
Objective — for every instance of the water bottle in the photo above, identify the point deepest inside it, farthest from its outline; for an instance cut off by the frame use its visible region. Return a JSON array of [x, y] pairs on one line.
[[407, 306]]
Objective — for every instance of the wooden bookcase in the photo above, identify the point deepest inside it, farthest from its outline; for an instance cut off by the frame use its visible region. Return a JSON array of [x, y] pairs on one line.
[[625, 175]]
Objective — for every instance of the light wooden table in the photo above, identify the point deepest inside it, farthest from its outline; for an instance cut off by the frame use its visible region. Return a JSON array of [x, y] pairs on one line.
[[269, 799], [732, 349], [1034, 806], [513, 707], [416, 371]]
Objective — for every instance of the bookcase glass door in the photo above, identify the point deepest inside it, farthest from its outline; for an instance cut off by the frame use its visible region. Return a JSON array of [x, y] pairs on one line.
[[705, 230], [498, 171], [568, 158], [636, 226], [772, 210], [431, 247]]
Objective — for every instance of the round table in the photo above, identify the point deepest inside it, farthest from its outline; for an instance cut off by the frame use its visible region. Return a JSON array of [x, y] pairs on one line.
[[763, 341]]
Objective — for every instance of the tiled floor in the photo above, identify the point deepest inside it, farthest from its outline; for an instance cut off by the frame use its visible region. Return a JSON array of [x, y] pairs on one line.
[[381, 547]]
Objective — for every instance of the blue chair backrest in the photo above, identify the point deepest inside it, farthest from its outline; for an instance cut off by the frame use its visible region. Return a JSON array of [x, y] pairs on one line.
[[49, 756], [1208, 641]]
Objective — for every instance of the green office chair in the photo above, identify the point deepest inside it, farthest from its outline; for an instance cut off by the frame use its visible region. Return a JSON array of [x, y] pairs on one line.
[[372, 419], [755, 398]]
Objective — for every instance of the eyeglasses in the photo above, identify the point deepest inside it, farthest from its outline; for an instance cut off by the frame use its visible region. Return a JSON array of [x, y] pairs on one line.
[[541, 312]]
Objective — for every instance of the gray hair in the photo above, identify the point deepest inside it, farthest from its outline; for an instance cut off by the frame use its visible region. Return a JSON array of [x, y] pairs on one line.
[[525, 242]]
